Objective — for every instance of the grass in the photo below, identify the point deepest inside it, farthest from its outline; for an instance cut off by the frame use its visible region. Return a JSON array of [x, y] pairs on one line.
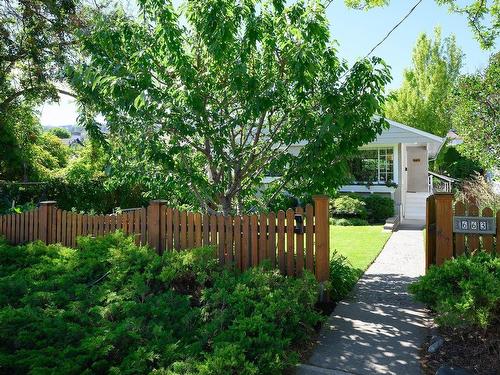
[[360, 244]]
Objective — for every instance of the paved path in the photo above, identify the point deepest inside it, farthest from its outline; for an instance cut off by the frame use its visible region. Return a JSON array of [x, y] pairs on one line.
[[380, 329]]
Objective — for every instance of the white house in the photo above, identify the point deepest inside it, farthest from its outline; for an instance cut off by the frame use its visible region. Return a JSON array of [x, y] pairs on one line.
[[397, 165]]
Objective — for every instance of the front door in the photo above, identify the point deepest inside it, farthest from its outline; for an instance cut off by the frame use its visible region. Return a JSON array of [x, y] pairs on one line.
[[416, 169]]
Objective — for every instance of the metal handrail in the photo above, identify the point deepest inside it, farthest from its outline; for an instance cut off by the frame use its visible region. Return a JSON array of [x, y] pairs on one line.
[[442, 177]]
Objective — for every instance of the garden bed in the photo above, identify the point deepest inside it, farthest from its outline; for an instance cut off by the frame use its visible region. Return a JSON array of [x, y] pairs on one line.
[[474, 350], [111, 306]]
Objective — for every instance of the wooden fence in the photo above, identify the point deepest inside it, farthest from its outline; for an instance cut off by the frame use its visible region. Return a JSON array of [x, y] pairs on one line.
[[441, 241], [293, 240]]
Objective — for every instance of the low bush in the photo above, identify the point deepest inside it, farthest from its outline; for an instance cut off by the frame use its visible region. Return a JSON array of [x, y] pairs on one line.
[[378, 208], [353, 221], [113, 307], [464, 291], [343, 276], [346, 206]]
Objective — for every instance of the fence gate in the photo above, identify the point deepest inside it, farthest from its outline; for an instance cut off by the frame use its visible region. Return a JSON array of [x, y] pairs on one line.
[[454, 229], [294, 240]]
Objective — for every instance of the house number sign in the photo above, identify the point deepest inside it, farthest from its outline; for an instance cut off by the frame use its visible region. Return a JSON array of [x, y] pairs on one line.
[[474, 225]]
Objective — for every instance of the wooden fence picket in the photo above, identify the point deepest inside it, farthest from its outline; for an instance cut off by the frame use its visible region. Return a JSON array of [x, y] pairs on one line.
[[459, 238], [237, 241], [222, 237], [299, 245], [488, 239], [190, 230], [245, 243], [262, 229], [228, 246], [206, 230], [281, 241], [254, 240], [309, 237], [271, 242], [183, 217], [290, 245]]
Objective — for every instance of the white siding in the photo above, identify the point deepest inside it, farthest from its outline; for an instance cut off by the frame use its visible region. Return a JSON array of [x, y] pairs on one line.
[[398, 135]]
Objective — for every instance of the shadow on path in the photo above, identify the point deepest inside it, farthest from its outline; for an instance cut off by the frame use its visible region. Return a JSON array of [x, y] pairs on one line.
[[380, 329]]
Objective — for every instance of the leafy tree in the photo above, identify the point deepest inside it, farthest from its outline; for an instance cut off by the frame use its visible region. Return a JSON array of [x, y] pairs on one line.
[[482, 16], [476, 103], [452, 163], [36, 40], [422, 101], [61, 133], [212, 97]]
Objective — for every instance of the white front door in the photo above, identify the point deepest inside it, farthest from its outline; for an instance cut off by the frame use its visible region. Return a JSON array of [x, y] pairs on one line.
[[416, 169]]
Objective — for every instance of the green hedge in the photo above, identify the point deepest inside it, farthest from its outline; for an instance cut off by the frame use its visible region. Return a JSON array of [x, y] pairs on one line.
[[351, 209], [347, 206], [379, 208], [464, 291], [113, 307]]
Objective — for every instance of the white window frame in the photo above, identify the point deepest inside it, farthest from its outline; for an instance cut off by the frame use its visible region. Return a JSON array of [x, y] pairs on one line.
[[395, 163]]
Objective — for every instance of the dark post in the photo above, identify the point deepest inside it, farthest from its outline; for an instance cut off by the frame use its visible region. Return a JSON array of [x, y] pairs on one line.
[[444, 227], [47, 209], [154, 221]]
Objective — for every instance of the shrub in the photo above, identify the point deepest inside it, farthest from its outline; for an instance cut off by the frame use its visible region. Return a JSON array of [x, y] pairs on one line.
[[354, 221], [113, 307], [451, 163], [348, 207], [343, 276], [60, 133], [379, 208], [464, 291]]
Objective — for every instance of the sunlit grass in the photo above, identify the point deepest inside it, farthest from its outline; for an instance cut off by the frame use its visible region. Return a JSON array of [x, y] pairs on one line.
[[361, 245]]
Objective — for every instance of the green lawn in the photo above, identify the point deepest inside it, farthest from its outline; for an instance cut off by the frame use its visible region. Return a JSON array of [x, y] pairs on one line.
[[360, 245]]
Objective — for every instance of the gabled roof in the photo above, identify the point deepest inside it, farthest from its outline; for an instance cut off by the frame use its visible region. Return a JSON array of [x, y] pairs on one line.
[[422, 133], [401, 133]]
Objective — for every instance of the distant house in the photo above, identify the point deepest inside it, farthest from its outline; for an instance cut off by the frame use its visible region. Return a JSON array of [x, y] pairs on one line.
[[395, 164]]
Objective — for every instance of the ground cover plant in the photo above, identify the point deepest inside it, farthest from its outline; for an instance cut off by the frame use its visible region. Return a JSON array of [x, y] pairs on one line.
[[113, 307]]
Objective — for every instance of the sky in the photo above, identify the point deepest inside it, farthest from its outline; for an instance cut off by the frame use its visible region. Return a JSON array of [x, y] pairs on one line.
[[356, 32]]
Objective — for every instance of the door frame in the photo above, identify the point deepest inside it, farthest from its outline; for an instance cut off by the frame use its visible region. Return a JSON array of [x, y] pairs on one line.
[[404, 171]]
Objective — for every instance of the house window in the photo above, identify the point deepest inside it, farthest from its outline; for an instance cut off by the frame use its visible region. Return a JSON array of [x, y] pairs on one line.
[[373, 166]]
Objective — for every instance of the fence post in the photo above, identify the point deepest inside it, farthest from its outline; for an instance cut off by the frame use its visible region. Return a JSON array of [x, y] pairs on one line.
[[47, 209], [430, 233], [154, 222], [321, 213], [444, 227]]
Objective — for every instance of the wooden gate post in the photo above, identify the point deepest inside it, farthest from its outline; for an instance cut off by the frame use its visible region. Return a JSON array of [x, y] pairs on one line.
[[322, 225], [47, 210], [430, 233], [154, 223], [444, 227]]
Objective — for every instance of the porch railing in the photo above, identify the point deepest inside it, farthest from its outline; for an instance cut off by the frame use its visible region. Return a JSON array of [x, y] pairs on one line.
[[440, 183]]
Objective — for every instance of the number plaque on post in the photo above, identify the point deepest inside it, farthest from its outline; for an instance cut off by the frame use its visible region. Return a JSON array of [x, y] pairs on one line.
[[474, 225]]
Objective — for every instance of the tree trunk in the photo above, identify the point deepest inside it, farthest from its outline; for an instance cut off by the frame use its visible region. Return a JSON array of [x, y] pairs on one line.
[[226, 205], [239, 208]]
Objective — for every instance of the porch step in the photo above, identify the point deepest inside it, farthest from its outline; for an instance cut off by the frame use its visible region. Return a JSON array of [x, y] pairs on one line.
[[415, 205], [391, 224]]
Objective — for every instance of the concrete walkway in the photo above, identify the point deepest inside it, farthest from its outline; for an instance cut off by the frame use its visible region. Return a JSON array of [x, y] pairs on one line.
[[380, 329]]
